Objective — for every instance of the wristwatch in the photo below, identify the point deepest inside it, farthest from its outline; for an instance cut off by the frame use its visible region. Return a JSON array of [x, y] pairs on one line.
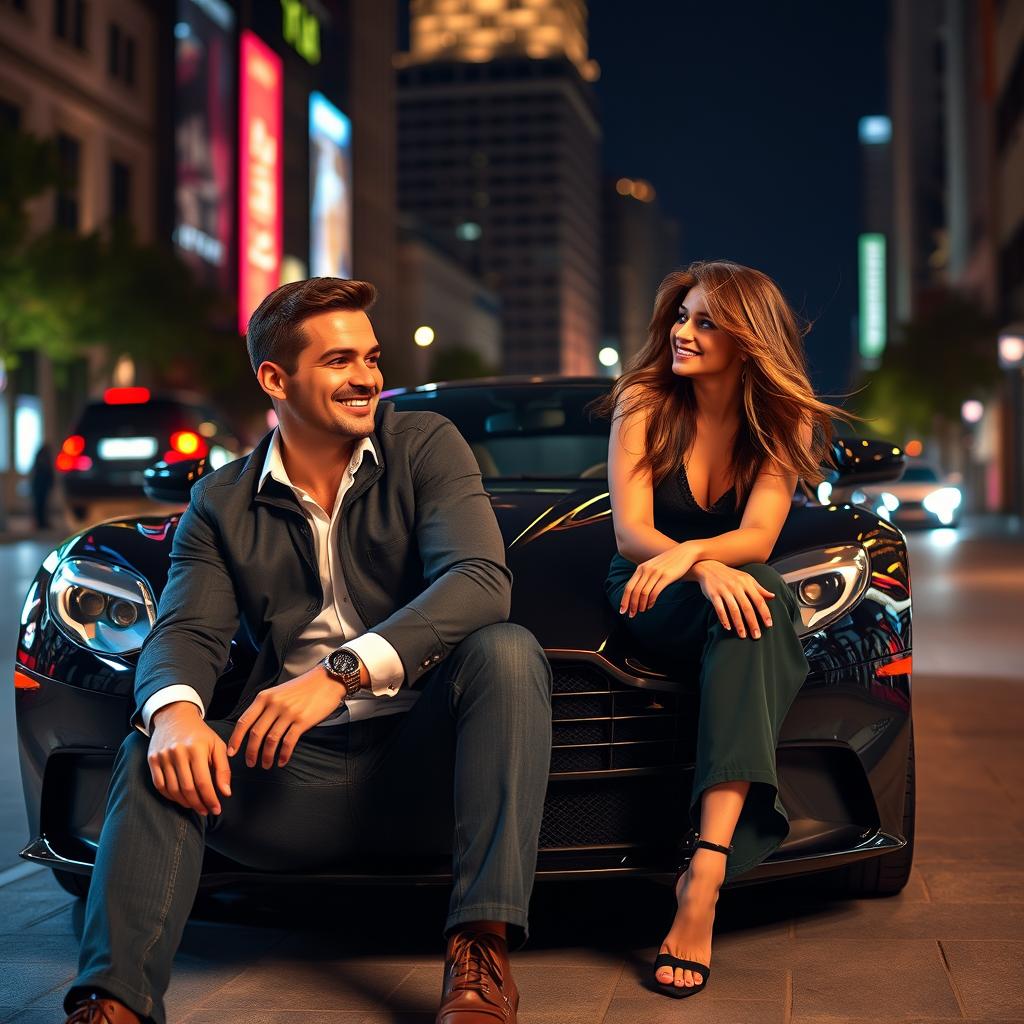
[[344, 666]]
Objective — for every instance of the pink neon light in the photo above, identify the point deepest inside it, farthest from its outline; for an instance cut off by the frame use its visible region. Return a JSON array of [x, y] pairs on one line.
[[260, 176]]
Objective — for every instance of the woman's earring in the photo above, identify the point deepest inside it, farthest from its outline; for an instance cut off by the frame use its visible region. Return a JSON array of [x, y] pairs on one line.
[[743, 375]]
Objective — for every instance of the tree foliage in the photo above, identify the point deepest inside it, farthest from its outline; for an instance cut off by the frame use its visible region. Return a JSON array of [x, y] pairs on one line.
[[941, 358], [458, 363], [62, 293]]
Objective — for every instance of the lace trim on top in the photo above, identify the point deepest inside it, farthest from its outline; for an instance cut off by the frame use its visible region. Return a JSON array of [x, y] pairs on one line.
[[685, 483]]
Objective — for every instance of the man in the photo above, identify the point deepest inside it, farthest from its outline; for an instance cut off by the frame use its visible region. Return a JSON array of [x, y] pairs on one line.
[[358, 553]]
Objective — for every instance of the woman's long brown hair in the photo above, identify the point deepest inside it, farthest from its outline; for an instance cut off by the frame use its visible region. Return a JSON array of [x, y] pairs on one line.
[[778, 399]]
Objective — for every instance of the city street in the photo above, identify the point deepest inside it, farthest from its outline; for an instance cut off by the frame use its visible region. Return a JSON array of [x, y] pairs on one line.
[[950, 947]]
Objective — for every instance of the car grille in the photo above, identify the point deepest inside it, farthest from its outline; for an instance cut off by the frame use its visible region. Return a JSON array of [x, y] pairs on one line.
[[601, 725]]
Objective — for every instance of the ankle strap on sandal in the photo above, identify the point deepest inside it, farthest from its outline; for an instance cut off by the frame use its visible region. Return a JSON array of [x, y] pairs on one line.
[[713, 846], [693, 840]]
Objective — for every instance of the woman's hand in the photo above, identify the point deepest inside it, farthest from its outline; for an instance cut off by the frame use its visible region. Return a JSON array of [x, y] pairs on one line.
[[736, 595], [653, 576]]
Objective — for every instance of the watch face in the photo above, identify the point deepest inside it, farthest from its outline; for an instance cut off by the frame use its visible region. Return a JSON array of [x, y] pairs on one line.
[[343, 662]]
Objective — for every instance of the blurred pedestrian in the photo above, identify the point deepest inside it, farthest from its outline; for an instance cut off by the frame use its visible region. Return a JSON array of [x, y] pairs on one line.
[[42, 483]]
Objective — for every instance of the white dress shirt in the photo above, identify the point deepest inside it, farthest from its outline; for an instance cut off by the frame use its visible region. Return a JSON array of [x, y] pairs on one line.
[[338, 623]]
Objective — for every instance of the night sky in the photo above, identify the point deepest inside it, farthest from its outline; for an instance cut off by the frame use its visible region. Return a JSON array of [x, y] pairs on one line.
[[743, 115]]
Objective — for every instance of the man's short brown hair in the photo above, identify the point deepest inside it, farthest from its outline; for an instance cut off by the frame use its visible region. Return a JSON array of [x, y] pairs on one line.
[[275, 330]]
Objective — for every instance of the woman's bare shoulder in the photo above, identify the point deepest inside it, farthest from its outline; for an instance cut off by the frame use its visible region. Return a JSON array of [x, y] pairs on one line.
[[635, 401]]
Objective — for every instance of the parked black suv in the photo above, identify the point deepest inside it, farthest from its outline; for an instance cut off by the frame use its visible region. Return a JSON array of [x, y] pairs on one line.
[[116, 437]]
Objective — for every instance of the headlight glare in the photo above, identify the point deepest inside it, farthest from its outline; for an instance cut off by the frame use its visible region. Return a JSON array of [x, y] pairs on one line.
[[944, 500], [827, 582], [103, 607]]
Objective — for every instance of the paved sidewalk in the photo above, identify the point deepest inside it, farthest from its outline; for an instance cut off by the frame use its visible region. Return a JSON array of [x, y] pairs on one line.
[[949, 948]]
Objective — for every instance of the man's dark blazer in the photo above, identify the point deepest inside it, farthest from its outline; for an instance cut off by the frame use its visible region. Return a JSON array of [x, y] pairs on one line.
[[420, 549]]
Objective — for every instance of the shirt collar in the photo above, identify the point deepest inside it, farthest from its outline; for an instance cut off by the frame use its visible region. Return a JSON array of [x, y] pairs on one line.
[[273, 464]]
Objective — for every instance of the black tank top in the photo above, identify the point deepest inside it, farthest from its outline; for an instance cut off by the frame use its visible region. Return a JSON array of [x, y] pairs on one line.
[[677, 514]]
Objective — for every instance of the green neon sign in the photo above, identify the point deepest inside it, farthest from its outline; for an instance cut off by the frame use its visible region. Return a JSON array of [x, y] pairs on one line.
[[301, 30], [871, 273]]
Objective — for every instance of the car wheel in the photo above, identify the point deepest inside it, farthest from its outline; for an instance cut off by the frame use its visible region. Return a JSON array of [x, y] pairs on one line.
[[886, 875], [77, 885]]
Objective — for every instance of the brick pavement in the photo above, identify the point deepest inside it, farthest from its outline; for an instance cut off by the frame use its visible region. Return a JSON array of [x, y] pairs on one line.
[[949, 948]]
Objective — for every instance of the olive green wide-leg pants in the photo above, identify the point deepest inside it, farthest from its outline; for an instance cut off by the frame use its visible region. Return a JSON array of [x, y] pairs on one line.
[[746, 689]]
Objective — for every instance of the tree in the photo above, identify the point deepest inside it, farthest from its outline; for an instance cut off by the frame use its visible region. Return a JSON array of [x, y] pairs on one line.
[[938, 360], [459, 364], [62, 293]]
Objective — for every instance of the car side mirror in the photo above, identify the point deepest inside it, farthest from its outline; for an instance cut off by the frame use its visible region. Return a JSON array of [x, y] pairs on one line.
[[170, 483], [859, 461]]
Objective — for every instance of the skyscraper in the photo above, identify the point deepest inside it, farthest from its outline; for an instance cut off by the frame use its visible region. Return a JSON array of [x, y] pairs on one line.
[[498, 153]]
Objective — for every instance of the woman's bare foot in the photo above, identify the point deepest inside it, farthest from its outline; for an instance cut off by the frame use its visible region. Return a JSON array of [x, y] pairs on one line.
[[689, 938]]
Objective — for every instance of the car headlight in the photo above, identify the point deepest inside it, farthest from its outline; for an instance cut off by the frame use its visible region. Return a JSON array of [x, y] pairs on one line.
[[945, 500], [103, 607], [827, 582]]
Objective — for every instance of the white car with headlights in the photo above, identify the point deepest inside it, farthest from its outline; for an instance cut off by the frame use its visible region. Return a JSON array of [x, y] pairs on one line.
[[921, 497]]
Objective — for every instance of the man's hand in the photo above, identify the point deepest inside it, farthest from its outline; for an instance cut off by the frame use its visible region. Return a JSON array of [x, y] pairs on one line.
[[736, 595], [653, 576], [281, 714], [186, 757]]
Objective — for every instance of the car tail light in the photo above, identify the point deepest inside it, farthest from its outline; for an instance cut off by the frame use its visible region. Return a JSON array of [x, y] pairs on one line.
[[185, 445], [24, 682], [900, 667], [70, 457], [126, 396]]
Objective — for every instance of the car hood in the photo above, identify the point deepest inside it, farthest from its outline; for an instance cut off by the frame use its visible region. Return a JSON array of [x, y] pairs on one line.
[[559, 542]]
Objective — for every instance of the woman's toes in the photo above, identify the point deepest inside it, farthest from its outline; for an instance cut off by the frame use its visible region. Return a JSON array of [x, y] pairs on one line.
[[664, 975], [680, 977]]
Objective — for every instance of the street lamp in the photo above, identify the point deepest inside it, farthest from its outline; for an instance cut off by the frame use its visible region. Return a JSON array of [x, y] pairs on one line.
[[972, 411], [423, 336]]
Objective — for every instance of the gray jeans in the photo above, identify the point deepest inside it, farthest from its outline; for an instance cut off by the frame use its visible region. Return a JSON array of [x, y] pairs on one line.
[[481, 730]]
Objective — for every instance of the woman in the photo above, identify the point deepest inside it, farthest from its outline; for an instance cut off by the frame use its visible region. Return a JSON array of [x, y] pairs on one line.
[[711, 427]]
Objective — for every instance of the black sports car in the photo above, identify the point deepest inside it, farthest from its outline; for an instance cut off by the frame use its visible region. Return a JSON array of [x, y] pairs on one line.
[[624, 725]]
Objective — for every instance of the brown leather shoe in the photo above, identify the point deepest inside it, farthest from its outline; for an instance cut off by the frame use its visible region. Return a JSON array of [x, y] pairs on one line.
[[478, 986], [98, 1009]]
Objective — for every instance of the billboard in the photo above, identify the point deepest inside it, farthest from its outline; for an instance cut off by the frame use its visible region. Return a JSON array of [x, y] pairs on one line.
[[259, 175], [204, 101], [330, 189]]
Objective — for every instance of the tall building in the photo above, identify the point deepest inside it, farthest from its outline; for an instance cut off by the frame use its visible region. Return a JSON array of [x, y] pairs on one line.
[[258, 138], [78, 74], [499, 153], [641, 245], [303, 107], [957, 100], [1005, 25]]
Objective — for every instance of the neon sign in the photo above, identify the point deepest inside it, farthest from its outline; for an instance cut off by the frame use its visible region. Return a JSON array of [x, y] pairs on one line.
[[301, 30], [330, 189], [871, 265], [260, 173]]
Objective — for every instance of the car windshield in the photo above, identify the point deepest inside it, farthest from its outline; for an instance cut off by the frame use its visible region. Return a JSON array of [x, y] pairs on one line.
[[920, 475], [525, 432]]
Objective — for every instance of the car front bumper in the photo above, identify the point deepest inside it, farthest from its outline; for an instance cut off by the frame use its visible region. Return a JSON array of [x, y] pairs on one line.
[[617, 799]]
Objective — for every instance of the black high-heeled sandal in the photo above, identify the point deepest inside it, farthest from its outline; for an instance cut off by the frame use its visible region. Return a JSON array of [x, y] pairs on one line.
[[691, 843]]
